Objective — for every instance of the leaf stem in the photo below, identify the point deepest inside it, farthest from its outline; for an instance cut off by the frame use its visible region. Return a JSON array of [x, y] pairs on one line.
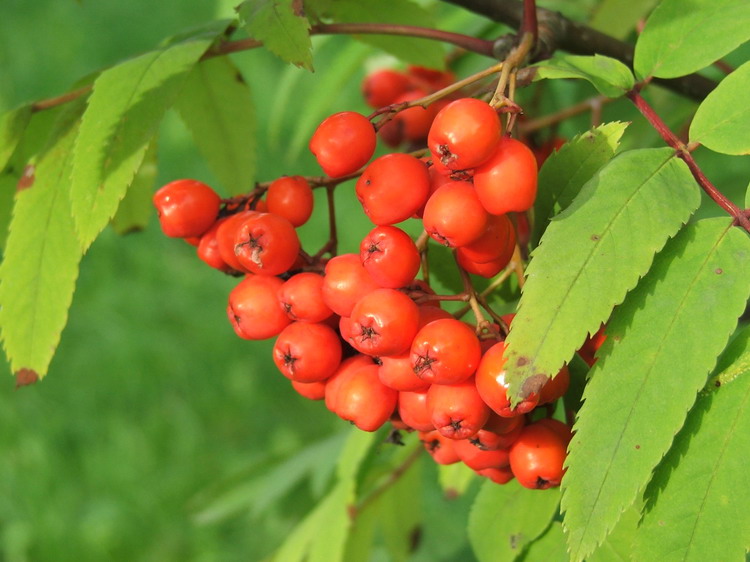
[[683, 152]]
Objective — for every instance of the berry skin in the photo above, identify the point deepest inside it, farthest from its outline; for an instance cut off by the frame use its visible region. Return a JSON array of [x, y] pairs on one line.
[[556, 387], [253, 309], [290, 197], [382, 87], [493, 243], [441, 448], [266, 244], [413, 410], [208, 249], [310, 390], [445, 351], [414, 123], [383, 322], [396, 372], [345, 282], [537, 457], [343, 143], [390, 256], [498, 432], [497, 475], [457, 411], [307, 352], [393, 187], [453, 215], [492, 387], [477, 459], [301, 298], [363, 399], [225, 238], [508, 180], [346, 367], [186, 208], [464, 134]]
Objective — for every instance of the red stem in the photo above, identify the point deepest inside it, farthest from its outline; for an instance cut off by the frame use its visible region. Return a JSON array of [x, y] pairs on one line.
[[529, 22], [683, 152]]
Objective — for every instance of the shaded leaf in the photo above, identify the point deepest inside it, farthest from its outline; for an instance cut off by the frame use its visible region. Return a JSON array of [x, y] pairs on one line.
[[735, 360], [40, 265], [550, 546], [609, 76], [682, 37], [455, 478], [591, 255], [618, 546], [567, 169], [124, 111], [618, 18], [697, 500], [283, 28], [136, 207], [662, 342], [504, 519], [722, 122], [12, 125], [409, 49], [217, 107]]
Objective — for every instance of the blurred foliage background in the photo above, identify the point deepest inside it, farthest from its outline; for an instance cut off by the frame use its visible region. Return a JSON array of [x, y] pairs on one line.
[[159, 435]]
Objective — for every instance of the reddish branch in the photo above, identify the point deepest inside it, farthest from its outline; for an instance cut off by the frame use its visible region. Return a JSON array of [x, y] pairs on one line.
[[683, 152]]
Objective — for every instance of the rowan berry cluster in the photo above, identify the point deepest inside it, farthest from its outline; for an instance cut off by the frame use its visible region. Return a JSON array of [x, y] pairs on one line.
[[359, 330]]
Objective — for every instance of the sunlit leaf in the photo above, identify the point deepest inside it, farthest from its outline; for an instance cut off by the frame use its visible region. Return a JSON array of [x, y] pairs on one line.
[[567, 169], [550, 546], [618, 18], [217, 106], [681, 37], [591, 255], [504, 519], [722, 122], [136, 208], [609, 76], [662, 343]]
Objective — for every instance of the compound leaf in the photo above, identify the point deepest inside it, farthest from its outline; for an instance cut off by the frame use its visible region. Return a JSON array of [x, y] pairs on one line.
[[682, 37], [591, 255], [282, 27], [662, 343], [416, 51], [504, 519], [722, 122], [136, 207], [217, 107], [609, 76], [40, 265], [566, 171], [125, 108], [698, 497]]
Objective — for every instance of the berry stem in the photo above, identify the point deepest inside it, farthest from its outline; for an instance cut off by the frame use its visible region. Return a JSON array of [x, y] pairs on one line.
[[545, 121], [683, 152], [512, 62]]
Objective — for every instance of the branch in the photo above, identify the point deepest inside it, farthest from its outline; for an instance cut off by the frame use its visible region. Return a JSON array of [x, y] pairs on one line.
[[558, 32]]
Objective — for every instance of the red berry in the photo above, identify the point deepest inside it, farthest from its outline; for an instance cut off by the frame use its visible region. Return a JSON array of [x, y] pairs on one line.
[[310, 390], [383, 322], [307, 352], [508, 180], [186, 208], [364, 400], [457, 411], [413, 410], [492, 387], [253, 309], [290, 197], [445, 351], [343, 143], [301, 298], [537, 457], [441, 448], [453, 215], [390, 256], [345, 282], [208, 249], [266, 244], [382, 87]]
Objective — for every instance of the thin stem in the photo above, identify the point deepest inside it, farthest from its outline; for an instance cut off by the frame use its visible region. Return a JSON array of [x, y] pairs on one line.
[[513, 61], [471, 292], [516, 263], [529, 23], [332, 245], [683, 152], [553, 118]]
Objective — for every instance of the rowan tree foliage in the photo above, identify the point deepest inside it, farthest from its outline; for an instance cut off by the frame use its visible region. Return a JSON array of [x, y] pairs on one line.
[[627, 268]]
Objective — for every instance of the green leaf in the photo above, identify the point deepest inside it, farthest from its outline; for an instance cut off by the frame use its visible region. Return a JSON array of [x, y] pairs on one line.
[[455, 478], [40, 265], [358, 445], [408, 49], [283, 28], [722, 122], [609, 76], [12, 125], [136, 207], [550, 547], [592, 254], [698, 497], [735, 360], [504, 519], [618, 546], [217, 107], [125, 108], [682, 37], [566, 171], [321, 536], [662, 343], [619, 18]]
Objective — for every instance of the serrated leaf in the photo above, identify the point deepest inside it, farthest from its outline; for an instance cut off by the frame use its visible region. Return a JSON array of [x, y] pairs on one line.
[[550, 547], [136, 207], [125, 108], [662, 342], [682, 37], [697, 500], [592, 254], [408, 49], [735, 360], [283, 28], [12, 125], [40, 265], [217, 107], [618, 546], [722, 122], [609, 76], [566, 171], [618, 18], [504, 519]]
